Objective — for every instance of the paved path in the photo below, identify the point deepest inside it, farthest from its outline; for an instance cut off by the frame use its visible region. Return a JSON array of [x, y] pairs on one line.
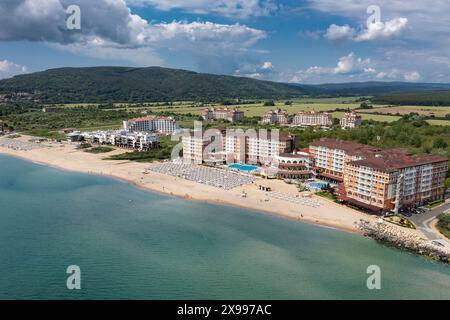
[[423, 223]]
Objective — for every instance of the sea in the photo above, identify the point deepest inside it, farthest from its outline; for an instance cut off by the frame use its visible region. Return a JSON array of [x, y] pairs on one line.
[[128, 243]]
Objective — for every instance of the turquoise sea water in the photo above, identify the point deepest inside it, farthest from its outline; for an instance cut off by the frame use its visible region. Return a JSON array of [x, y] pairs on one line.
[[132, 244]]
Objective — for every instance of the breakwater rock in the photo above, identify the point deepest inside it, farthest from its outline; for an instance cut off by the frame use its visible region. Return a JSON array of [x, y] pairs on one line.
[[394, 236]]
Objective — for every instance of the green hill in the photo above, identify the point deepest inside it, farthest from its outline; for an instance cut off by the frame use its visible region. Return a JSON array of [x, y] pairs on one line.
[[122, 84]]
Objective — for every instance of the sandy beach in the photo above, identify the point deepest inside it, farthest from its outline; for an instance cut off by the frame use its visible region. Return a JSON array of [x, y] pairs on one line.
[[66, 156]]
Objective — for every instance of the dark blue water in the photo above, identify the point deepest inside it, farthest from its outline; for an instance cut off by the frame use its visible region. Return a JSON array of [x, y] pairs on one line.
[[132, 244]]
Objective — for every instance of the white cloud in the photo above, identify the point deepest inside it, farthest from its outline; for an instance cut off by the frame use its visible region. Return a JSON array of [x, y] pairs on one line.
[[412, 76], [428, 20], [267, 66], [257, 71], [339, 33], [375, 31], [348, 64], [383, 30], [110, 31], [9, 69], [238, 9]]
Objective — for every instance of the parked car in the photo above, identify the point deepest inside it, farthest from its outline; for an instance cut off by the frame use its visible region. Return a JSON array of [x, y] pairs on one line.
[[407, 214]]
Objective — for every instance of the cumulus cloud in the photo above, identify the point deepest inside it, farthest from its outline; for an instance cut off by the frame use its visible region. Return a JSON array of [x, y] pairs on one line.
[[383, 30], [396, 74], [257, 71], [346, 65], [339, 33], [110, 30], [238, 9], [9, 69], [375, 31], [412, 76]]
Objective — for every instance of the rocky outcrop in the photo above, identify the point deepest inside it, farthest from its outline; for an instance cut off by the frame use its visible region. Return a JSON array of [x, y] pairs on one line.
[[392, 235]]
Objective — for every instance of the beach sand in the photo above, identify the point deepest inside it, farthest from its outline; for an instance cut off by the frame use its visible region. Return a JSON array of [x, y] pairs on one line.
[[66, 156]]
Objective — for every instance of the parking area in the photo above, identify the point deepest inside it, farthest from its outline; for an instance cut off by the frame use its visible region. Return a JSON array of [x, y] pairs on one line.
[[423, 222]]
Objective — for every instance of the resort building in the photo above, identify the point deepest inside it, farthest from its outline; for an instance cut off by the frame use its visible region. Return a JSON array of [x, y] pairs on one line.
[[312, 119], [379, 180], [194, 147], [351, 120], [276, 117], [262, 147], [166, 125], [141, 141], [296, 165], [393, 180], [232, 115], [330, 156]]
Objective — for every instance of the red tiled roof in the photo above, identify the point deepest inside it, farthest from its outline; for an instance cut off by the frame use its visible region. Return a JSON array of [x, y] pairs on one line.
[[394, 159], [350, 147], [330, 176], [150, 118]]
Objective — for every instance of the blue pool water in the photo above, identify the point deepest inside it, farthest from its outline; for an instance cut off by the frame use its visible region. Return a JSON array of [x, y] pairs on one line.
[[317, 185], [243, 167]]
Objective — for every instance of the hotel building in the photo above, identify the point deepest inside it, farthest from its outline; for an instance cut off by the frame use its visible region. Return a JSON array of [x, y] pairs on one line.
[[330, 156], [276, 117], [194, 147], [166, 125], [261, 148], [312, 119], [379, 180], [141, 141], [232, 115], [351, 120], [296, 165]]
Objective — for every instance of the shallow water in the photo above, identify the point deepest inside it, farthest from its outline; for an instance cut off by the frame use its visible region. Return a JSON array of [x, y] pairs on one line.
[[133, 244]]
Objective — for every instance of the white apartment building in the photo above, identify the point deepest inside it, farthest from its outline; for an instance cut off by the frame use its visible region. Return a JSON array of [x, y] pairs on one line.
[[276, 117], [232, 115], [165, 125], [351, 120], [312, 119], [237, 148], [132, 140]]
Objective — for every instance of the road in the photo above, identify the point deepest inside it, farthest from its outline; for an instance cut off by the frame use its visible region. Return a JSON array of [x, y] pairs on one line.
[[423, 223]]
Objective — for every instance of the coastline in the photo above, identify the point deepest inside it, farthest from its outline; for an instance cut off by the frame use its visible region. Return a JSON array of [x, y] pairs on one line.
[[64, 156]]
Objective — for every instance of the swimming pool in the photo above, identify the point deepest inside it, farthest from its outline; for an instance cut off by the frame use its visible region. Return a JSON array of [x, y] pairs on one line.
[[317, 185], [243, 167]]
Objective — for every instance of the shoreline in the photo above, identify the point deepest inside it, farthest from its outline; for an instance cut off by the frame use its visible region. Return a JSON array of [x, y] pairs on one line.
[[147, 189], [65, 157]]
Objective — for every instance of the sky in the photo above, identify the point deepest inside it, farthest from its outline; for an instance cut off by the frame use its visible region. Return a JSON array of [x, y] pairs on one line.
[[294, 41]]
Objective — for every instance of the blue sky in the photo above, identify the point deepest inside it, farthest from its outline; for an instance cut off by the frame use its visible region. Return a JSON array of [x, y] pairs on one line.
[[305, 41]]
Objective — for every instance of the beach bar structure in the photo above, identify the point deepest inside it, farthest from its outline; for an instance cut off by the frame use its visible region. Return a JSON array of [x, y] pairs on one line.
[[141, 141]]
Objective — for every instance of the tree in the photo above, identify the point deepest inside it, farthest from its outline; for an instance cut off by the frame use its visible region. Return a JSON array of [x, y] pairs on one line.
[[440, 143], [364, 105], [269, 103]]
